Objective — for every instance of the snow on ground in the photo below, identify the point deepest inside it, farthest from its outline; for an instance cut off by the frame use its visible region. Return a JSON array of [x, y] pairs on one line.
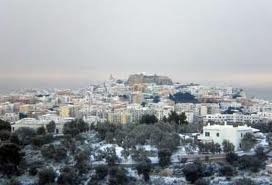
[[264, 142], [263, 180], [158, 180], [132, 173], [27, 180], [154, 160], [118, 150], [147, 147], [184, 137]]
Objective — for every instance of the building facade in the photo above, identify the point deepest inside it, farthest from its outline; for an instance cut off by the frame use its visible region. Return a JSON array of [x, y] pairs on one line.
[[219, 133]]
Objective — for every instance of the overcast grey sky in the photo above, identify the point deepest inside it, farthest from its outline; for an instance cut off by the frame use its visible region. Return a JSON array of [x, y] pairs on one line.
[[64, 42]]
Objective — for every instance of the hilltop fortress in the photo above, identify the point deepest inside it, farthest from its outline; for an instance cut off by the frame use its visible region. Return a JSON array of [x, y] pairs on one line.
[[153, 78]]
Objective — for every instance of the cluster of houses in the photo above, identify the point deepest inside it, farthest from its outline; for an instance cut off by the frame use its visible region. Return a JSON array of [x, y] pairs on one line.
[[116, 101]]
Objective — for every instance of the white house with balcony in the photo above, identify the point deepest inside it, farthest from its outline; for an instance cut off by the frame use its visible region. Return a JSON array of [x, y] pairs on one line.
[[219, 133]]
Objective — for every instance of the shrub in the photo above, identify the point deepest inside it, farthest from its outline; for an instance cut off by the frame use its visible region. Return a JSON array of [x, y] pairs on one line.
[[47, 176], [14, 139], [51, 126], [138, 155], [193, 171], [148, 119], [48, 151], [202, 182], [60, 153], [67, 130], [245, 181], [190, 128], [4, 125], [109, 137], [41, 131], [164, 157], [169, 141], [250, 162], [33, 171], [226, 170], [228, 146], [117, 176], [82, 162], [101, 172], [263, 127], [144, 168], [209, 147], [57, 153], [9, 158], [4, 135], [82, 156], [139, 135], [25, 135], [248, 142], [75, 127], [69, 143], [104, 128], [41, 140], [110, 155], [68, 176], [179, 119], [13, 181], [259, 152], [232, 158]]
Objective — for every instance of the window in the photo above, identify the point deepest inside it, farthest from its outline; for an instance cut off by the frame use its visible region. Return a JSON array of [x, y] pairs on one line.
[[241, 134], [207, 134], [217, 134]]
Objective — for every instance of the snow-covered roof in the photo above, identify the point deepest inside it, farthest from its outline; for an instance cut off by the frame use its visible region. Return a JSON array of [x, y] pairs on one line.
[[225, 126]]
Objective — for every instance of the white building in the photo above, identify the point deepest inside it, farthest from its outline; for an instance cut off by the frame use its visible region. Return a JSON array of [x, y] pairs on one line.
[[231, 118], [190, 117], [184, 107], [10, 117], [213, 108], [219, 133], [35, 124], [6, 108], [265, 115]]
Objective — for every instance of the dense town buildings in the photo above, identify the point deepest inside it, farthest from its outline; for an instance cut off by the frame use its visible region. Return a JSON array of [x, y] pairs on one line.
[[117, 101], [214, 116]]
